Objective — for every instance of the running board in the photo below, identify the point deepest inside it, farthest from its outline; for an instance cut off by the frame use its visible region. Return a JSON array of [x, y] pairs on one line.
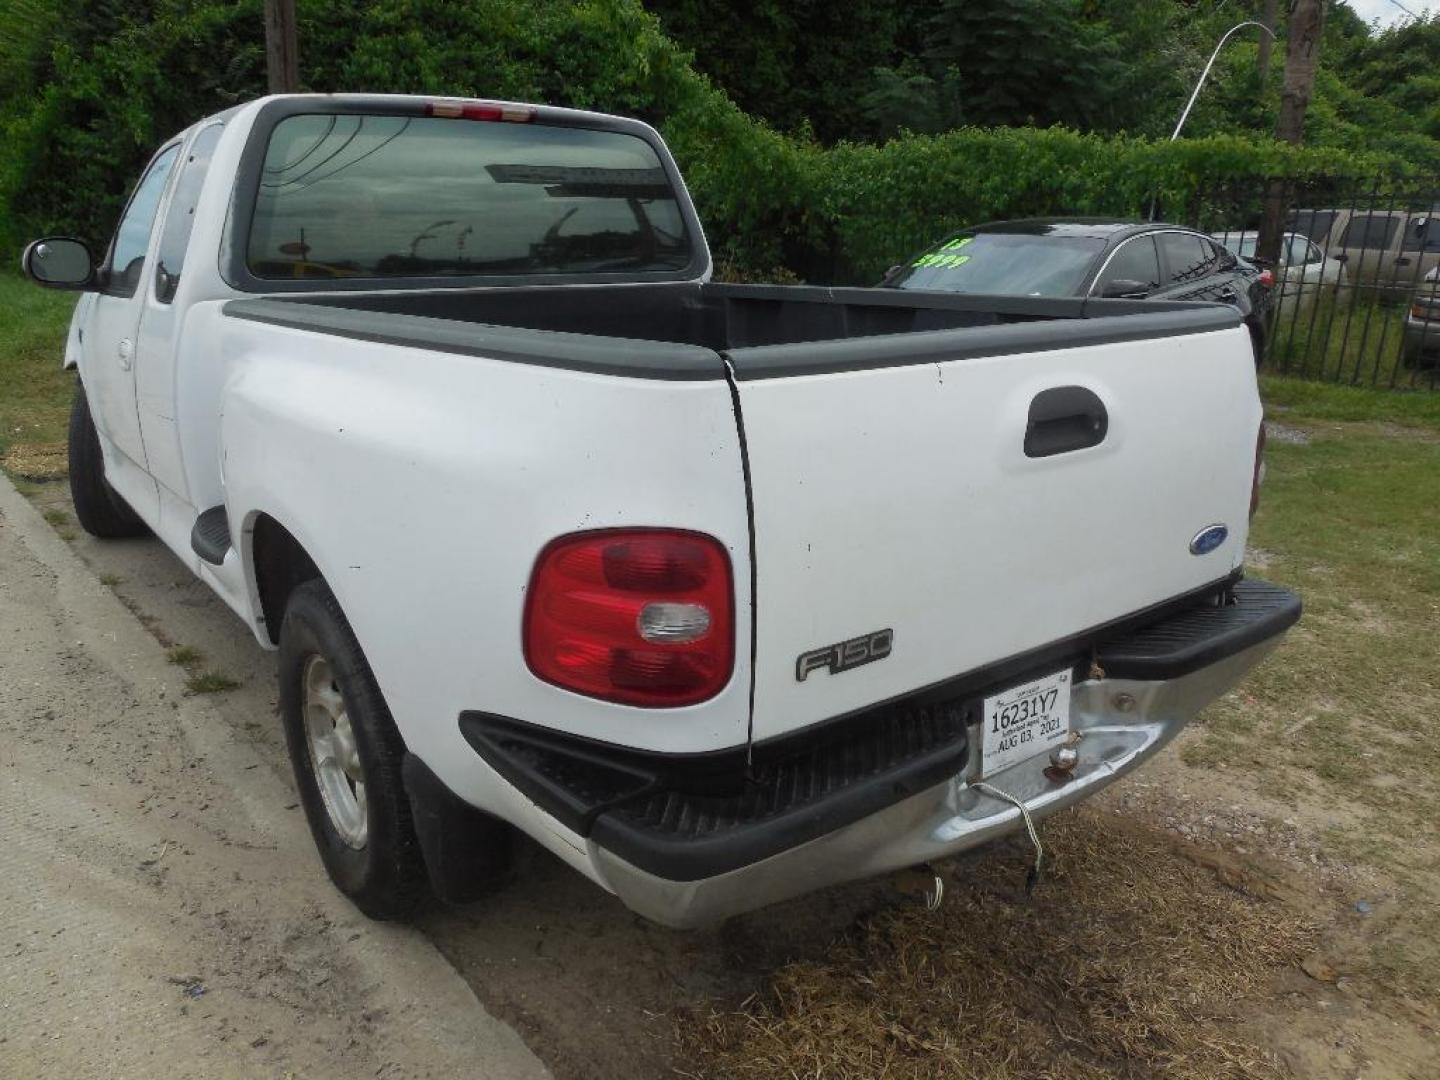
[[210, 538]]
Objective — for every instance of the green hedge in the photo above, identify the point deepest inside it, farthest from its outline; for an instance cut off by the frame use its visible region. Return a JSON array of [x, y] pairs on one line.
[[85, 106]]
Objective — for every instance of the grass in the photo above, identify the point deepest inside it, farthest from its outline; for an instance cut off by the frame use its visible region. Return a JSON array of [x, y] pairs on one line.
[[56, 517], [35, 391], [210, 682], [111, 580], [1354, 337], [1131, 958], [1314, 401], [184, 655], [1345, 718]]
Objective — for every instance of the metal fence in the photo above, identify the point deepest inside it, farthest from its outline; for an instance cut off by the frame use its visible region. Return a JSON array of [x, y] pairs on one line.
[[1357, 282]]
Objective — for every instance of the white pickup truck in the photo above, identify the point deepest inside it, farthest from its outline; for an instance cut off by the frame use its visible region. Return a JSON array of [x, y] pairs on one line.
[[720, 593]]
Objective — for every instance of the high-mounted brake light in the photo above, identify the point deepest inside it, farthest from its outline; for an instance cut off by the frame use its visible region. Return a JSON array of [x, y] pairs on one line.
[[480, 110], [636, 616]]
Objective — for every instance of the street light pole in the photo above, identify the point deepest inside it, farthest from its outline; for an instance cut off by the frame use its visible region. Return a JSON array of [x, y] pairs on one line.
[[1206, 73]]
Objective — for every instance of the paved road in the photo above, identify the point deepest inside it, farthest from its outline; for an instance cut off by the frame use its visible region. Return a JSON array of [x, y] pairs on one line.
[[161, 909]]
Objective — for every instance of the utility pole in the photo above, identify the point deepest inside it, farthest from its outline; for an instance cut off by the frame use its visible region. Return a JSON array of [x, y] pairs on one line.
[[282, 47], [1302, 60], [1262, 62]]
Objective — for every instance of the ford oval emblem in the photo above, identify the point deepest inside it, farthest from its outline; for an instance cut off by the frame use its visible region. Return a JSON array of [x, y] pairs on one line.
[[1208, 539]]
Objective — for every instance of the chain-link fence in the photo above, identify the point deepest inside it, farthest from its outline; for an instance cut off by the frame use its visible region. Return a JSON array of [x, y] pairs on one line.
[[1357, 278]]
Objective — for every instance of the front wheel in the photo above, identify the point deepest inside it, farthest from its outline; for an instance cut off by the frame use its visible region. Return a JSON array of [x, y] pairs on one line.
[[347, 756], [98, 507]]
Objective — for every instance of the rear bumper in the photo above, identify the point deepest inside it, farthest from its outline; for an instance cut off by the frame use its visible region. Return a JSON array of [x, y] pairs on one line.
[[687, 842], [950, 817], [1422, 336]]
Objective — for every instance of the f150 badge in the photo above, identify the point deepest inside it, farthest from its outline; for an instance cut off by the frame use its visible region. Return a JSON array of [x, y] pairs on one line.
[[846, 654]]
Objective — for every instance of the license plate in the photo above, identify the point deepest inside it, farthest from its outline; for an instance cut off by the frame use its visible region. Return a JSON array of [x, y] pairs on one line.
[[1024, 721]]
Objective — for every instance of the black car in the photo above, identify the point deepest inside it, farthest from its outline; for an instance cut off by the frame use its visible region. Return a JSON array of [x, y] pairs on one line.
[[1091, 257]]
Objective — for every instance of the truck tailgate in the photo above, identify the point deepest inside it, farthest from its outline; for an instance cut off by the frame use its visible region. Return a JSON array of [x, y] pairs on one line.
[[894, 490]]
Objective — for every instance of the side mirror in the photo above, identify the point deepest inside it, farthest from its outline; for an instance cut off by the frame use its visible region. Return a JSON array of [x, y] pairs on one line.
[[1341, 258], [59, 262], [1124, 289]]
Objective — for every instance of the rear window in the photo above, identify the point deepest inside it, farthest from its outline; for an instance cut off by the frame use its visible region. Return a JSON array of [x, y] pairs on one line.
[[1313, 223], [1244, 246], [1422, 233], [1370, 231], [352, 196], [1003, 264]]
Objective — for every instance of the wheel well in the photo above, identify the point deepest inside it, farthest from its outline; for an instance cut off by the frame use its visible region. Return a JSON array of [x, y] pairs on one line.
[[281, 565]]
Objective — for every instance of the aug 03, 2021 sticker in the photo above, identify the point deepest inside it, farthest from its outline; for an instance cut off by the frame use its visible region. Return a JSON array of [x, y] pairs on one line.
[[1025, 720]]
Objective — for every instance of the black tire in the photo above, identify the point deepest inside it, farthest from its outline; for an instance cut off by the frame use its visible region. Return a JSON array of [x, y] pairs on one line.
[[385, 877], [98, 507], [1413, 356]]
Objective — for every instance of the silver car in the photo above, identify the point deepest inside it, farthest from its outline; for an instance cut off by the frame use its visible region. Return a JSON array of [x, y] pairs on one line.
[[1303, 267]]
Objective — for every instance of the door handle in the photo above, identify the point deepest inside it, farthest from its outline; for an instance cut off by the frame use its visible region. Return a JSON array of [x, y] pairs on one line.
[[1065, 418], [1402, 260], [124, 352]]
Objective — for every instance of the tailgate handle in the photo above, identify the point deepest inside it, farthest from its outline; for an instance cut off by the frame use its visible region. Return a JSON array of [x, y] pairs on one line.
[[1065, 418]]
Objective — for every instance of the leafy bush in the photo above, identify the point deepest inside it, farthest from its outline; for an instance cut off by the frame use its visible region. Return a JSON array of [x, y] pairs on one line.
[[92, 88]]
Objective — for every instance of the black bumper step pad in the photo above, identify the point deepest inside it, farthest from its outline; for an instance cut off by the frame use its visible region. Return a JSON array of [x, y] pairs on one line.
[[689, 817], [1251, 612]]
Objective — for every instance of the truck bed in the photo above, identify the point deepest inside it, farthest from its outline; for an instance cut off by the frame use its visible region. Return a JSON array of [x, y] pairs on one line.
[[763, 330], [969, 477]]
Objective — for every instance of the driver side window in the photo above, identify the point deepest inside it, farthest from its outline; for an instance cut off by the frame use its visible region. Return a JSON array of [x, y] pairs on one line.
[[1134, 260], [127, 255]]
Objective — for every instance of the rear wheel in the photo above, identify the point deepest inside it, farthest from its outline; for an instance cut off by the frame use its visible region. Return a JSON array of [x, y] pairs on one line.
[[347, 756], [98, 507]]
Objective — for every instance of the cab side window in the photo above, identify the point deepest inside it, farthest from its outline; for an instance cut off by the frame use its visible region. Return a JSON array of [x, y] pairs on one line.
[[1134, 260], [1370, 231], [127, 254], [1187, 257], [180, 218], [1422, 233]]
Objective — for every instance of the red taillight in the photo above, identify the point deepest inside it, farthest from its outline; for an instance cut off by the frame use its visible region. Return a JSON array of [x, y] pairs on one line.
[[480, 110], [636, 616], [1258, 476], [1267, 278]]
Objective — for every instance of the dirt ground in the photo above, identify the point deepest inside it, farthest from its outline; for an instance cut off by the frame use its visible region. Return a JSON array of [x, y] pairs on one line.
[[160, 909], [1267, 963]]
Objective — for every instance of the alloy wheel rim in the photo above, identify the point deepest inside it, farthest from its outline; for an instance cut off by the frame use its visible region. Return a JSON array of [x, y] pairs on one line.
[[334, 756]]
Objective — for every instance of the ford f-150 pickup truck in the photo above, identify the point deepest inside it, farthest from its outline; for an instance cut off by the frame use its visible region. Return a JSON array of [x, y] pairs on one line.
[[720, 593]]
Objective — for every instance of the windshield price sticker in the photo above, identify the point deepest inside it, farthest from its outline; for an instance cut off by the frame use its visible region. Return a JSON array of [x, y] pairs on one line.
[[1024, 721], [946, 257]]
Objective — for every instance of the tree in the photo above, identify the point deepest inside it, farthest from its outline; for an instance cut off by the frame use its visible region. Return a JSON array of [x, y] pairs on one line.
[[282, 49], [1262, 59], [1302, 60]]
